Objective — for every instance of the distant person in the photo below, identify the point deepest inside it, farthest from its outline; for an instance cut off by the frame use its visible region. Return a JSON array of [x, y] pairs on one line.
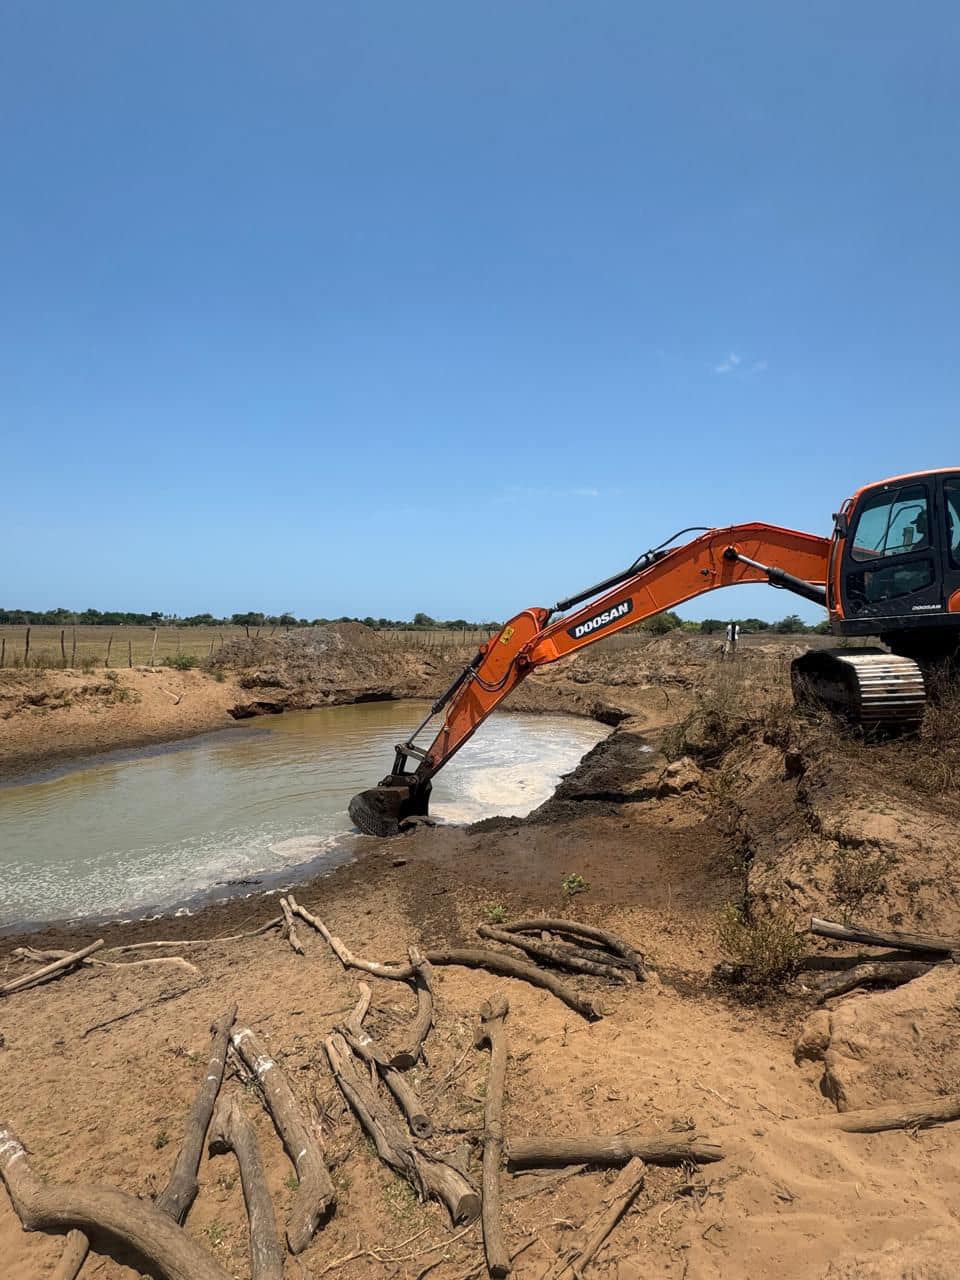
[[733, 636]]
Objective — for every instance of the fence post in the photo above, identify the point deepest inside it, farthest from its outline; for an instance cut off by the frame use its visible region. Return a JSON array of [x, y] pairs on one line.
[[211, 648], [73, 647], [3, 651], [129, 653], [153, 649], [26, 647], [109, 645], [63, 646]]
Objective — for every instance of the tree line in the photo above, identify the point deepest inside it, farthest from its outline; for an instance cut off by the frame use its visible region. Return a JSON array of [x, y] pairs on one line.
[[792, 624]]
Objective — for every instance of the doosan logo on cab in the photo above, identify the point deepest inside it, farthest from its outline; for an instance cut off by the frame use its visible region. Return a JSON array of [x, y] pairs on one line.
[[601, 620]]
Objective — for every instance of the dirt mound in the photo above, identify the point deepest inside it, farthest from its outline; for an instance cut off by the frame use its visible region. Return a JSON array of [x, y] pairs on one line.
[[926, 1258], [893, 1046], [342, 662]]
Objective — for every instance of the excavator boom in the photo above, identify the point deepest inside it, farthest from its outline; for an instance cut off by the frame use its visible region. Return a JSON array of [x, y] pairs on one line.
[[662, 579]]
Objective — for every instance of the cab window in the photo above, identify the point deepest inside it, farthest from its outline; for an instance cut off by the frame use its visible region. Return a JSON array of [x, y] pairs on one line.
[[951, 490], [893, 523]]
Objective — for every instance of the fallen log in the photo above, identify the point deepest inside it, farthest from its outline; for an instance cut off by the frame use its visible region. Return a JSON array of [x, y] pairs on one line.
[[428, 1175], [490, 1034], [274, 923], [610, 1150], [510, 967], [884, 938], [363, 1044], [56, 967], [136, 1225], [895, 1115], [74, 1255], [552, 953], [316, 1198], [595, 1232], [230, 1130], [406, 1096], [575, 929], [181, 1190], [472, 958], [888, 974], [290, 928], [409, 1055]]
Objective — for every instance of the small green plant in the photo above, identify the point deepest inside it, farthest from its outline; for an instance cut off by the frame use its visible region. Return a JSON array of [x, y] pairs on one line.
[[218, 675], [573, 884], [181, 661], [291, 1182], [766, 947], [859, 877], [496, 913], [161, 1140], [216, 1233]]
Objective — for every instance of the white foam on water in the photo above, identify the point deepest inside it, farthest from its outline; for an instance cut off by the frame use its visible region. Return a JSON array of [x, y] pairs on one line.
[[153, 832]]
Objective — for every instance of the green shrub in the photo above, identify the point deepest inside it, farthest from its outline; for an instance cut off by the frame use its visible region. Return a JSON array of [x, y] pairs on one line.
[[766, 946], [181, 661], [573, 884]]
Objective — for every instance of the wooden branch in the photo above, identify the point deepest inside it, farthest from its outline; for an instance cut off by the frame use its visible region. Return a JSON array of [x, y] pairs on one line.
[[552, 953], [896, 1115], [575, 929], [365, 1047], [230, 1130], [610, 1149], [181, 1191], [274, 923], [428, 1175], [75, 1251], [884, 938], [595, 1232], [316, 1197], [509, 967], [344, 954], [494, 961], [409, 1055], [165, 1249], [491, 1033], [31, 953], [889, 974], [56, 967], [290, 928]]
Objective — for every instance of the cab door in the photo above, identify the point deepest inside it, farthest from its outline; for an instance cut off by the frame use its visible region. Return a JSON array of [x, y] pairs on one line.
[[891, 559], [950, 507]]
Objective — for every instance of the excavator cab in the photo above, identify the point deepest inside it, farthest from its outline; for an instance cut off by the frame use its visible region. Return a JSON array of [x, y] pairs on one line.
[[895, 564]]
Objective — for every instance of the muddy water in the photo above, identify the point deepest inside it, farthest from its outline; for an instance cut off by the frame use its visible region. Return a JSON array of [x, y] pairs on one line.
[[262, 805]]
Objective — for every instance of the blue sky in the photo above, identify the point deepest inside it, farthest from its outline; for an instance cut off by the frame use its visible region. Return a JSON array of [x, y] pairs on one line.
[[376, 308]]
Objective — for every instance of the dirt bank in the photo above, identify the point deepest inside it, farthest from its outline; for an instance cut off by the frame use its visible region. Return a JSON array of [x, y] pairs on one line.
[[660, 848], [50, 716]]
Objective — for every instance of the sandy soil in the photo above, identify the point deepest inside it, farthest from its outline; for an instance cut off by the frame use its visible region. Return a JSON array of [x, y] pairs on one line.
[[658, 850]]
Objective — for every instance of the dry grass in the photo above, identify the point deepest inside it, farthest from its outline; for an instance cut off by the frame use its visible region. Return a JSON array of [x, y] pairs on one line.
[[765, 946]]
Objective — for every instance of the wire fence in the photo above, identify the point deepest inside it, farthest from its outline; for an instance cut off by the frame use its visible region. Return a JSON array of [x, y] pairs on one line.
[[87, 647]]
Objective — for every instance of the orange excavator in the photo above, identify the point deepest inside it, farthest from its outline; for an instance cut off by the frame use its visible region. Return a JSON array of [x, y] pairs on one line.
[[891, 569]]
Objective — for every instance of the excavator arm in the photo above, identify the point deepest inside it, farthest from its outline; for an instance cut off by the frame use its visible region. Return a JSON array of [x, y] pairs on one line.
[[659, 580]]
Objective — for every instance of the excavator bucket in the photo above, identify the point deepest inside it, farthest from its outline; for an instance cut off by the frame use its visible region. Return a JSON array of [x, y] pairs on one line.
[[383, 810]]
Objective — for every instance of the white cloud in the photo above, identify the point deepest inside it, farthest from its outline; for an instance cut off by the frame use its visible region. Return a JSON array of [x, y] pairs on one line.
[[734, 364]]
